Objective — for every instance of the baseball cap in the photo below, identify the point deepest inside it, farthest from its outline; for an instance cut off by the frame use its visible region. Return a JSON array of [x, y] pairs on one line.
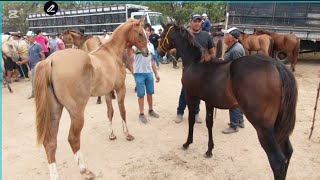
[[233, 31], [195, 16], [30, 33], [204, 15]]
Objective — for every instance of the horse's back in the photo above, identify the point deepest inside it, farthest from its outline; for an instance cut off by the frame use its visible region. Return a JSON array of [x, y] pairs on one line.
[[256, 82], [71, 75]]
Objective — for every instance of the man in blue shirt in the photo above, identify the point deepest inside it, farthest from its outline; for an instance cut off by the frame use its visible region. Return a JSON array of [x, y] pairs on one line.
[[206, 23], [36, 54]]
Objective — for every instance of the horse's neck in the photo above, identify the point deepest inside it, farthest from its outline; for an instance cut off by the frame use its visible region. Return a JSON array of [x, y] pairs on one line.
[[119, 39], [187, 52]]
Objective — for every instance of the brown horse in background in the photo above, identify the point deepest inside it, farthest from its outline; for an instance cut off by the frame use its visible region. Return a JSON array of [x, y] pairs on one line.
[[68, 78], [89, 43], [265, 90], [288, 43], [252, 42], [219, 43]]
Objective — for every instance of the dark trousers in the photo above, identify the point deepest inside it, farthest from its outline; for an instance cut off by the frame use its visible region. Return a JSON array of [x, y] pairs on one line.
[[236, 117], [183, 103]]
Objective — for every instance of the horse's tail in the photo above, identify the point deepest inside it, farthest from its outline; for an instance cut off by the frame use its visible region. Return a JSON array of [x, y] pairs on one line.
[[42, 83], [271, 47], [219, 48], [286, 118]]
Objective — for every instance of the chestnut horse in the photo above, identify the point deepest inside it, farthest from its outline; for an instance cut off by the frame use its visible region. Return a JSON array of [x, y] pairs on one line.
[[265, 90], [89, 43], [288, 43], [252, 42], [68, 78]]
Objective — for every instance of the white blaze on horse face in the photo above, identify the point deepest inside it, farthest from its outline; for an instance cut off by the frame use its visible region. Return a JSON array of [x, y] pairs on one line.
[[53, 171], [80, 161], [144, 31]]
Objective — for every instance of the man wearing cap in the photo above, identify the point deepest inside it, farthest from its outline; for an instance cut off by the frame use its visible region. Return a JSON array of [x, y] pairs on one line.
[[235, 50], [206, 23], [205, 40], [36, 55]]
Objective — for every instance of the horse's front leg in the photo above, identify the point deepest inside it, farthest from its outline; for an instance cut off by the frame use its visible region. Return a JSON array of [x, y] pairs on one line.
[[191, 102], [121, 95], [110, 115], [209, 122]]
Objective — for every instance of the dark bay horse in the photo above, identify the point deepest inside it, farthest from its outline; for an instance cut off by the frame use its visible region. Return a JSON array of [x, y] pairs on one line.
[[264, 89], [68, 78], [288, 43], [253, 42], [89, 43]]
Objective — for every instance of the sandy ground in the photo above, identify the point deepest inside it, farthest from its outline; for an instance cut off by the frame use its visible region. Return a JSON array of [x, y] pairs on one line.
[[156, 151]]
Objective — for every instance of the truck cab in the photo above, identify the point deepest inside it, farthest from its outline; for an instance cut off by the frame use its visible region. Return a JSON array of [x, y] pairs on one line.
[[153, 18]]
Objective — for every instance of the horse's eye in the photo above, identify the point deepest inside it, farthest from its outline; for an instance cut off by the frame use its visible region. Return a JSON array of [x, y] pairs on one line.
[[140, 35]]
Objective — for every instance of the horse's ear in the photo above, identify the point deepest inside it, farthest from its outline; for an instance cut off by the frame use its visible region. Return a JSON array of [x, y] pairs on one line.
[[142, 20]]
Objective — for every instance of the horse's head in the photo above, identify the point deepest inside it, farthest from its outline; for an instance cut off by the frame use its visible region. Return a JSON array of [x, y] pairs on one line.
[[9, 50], [67, 38], [137, 36], [166, 41]]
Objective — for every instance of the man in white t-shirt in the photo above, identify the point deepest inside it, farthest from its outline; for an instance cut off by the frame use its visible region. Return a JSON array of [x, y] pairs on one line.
[[144, 67]]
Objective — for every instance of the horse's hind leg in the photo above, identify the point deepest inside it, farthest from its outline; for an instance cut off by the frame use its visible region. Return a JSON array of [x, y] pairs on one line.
[[287, 150], [209, 122], [50, 142], [110, 115], [276, 158], [77, 120], [121, 95]]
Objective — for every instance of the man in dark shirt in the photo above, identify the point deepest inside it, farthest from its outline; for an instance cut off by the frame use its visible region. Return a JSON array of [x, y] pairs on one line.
[[154, 38], [205, 40]]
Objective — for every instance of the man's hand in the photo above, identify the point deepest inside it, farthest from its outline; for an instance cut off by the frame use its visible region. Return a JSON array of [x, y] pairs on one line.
[[157, 78], [19, 63], [205, 57]]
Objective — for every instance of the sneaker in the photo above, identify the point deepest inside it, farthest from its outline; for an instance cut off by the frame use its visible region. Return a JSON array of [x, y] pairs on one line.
[[153, 114], [198, 120], [230, 130], [143, 118], [30, 97], [179, 118], [241, 125]]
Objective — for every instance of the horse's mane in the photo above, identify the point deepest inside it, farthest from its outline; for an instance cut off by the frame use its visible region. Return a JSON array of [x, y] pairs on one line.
[[186, 34], [77, 32], [265, 31]]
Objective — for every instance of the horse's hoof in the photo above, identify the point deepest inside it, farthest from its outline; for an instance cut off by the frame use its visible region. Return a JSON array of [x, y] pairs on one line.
[[208, 154], [113, 137], [130, 137], [88, 175], [185, 146], [99, 102]]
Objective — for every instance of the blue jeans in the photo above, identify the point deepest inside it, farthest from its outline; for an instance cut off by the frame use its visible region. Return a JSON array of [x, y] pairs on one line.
[[183, 103], [236, 117], [156, 58], [144, 82], [32, 80]]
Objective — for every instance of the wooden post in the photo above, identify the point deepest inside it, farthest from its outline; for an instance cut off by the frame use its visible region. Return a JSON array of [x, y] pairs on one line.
[[314, 114], [225, 27]]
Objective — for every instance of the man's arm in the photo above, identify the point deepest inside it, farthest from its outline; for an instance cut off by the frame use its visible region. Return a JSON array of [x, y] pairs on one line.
[[154, 68], [43, 57]]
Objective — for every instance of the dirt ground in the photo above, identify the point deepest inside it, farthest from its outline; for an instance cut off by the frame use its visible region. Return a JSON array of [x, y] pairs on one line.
[[156, 151]]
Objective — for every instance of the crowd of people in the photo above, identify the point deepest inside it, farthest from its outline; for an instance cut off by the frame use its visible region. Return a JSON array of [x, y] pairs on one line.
[[145, 68]]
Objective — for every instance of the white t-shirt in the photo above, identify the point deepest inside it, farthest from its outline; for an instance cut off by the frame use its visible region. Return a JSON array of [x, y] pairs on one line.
[[143, 64]]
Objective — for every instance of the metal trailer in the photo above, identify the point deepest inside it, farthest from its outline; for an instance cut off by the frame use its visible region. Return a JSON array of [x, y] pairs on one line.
[[92, 20], [300, 18]]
